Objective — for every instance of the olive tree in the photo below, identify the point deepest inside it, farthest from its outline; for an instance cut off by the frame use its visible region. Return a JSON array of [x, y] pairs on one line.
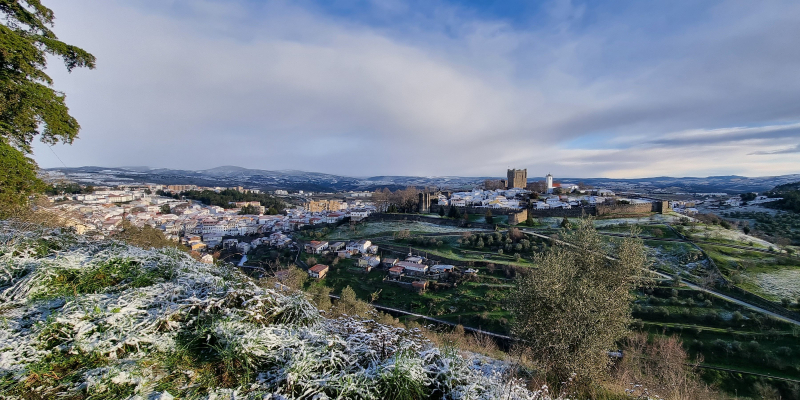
[[576, 305]]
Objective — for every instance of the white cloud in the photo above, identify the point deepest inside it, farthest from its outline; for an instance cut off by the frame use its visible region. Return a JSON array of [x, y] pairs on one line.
[[204, 83]]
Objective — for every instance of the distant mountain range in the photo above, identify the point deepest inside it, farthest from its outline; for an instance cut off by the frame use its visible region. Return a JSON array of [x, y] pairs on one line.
[[319, 182]]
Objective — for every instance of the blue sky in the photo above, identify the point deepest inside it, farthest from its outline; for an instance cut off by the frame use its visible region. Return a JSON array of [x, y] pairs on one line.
[[576, 88]]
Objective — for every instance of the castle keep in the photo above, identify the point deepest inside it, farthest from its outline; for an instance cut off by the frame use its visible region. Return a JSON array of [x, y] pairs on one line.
[[517, 178]]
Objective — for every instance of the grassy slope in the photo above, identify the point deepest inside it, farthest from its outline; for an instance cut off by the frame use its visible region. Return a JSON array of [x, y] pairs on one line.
[[105, 320]]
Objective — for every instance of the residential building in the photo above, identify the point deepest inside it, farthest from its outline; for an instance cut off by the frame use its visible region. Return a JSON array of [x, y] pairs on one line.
[[316, 247], [318, 271]]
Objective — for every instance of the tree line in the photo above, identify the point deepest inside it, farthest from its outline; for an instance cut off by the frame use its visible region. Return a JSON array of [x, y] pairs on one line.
[[225, 197]]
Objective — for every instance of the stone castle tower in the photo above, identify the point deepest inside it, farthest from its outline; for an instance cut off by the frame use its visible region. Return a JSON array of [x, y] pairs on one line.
[[424, 205], [517, 178]]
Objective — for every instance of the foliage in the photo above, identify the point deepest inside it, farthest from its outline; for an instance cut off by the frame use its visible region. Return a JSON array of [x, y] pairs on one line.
[[292, 277], [320, 296], [249, 210], [577, 289], [790, 197], [28, 106], [349, 305], [453, 212], [401, 200], [145, 236], [68, 188], [18, 180], [225, 197]]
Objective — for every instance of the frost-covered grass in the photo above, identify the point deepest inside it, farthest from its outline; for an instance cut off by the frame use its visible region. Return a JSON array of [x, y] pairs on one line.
[[90, 319], [780, 284]]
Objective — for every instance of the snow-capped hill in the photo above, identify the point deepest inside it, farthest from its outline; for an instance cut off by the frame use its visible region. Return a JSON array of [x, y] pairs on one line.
[[103, 319]]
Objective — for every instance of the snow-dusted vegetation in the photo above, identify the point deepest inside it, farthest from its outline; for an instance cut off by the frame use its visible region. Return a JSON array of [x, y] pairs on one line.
[[101, 319]]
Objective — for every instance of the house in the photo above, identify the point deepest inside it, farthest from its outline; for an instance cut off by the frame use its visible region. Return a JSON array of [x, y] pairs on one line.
[[243, 247], [420, 286], [318, 271], [372, 249], [336, 246], [358, 215], [343, 254], [389, 262], [437, 269], [316, 247], [396, 271], [207, 259], [360, 246], [198, 246], [412, 268], [415, 259], [369, 262], [471, 271], [228, 243]]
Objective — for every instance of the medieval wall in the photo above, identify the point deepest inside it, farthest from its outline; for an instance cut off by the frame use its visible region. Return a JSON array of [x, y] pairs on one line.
[[625, 209]]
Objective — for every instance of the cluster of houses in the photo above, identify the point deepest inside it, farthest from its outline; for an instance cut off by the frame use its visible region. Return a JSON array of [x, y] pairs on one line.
[[414, 272], [195, 224], [485, 198]]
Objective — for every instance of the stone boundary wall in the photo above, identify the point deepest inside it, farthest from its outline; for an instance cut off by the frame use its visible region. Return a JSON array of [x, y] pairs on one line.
[[476, 210], [662, 207], [563, 212], [625, 209]]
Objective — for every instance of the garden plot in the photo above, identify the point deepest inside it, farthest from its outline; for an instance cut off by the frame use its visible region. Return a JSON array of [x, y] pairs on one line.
[[388, 228]]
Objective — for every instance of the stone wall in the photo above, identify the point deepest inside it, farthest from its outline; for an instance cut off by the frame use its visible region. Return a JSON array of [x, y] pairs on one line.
[[563, 212], [517, 218], [476, 210], [662, 207], [624, 209]]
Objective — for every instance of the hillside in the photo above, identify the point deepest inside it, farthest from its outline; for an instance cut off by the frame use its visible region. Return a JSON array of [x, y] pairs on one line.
[[101, 319], [316, 182]]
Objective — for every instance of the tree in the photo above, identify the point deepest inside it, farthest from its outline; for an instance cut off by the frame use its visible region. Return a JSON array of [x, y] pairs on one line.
[[320, 296], [17, 181], [29, 107], [441, 211], [488, 216], [453, 212], [349, 304], [578, 304], [490, 184], [165, 209], [565, 223]]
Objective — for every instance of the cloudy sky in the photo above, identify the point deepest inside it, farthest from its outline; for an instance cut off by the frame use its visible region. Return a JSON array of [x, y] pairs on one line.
[[429, 87]]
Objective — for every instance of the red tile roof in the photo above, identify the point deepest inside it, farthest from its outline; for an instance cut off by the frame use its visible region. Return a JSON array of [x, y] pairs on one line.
[[318, 268]]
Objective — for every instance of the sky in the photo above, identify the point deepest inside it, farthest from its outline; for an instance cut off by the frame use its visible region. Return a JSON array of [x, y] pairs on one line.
[[617, 89]]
